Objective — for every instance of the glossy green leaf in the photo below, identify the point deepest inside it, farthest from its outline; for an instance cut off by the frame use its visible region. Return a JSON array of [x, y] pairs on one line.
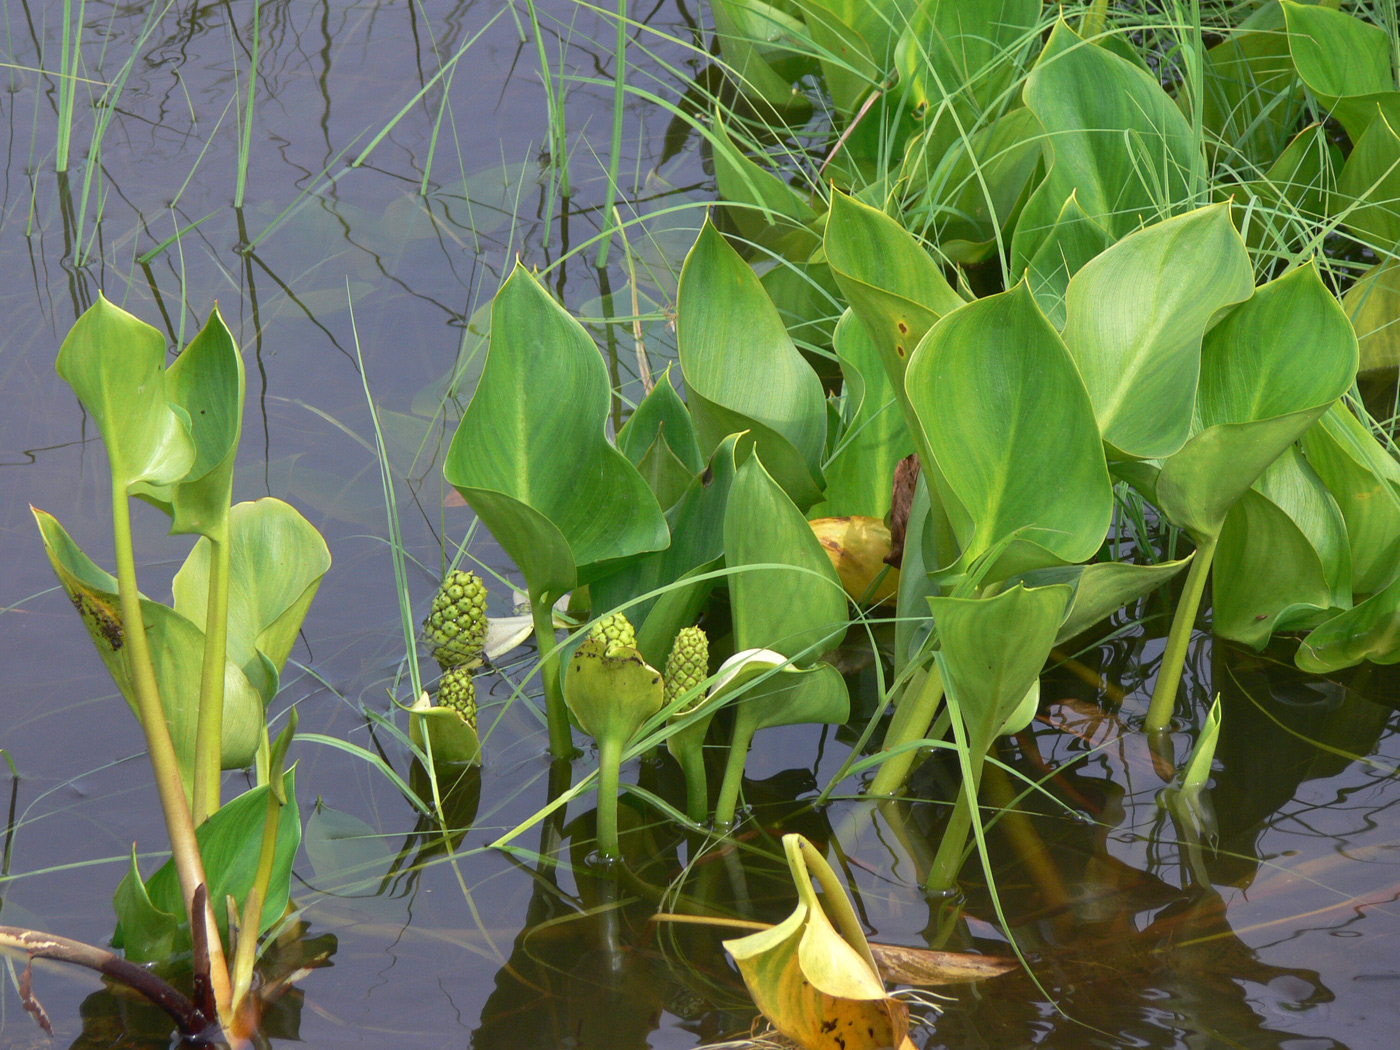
[[963, 51], [177, 654], [662, 409], [989, 382], [697, 540], [1364, 479], [796, 607], [276, 561], [1344, 61], [755, 198], [1100, 588], [206, 382], [741, 369], [151, 935], [665, 474], [746, 29], [1112, 135], [116, 365], [1135, 316], [895, 288], [229, 843], [1373, 304], [848, 64], [1282, 556], [1068, 246], [766, 690], [860, 473], [1368, 190], [530, 455], [992, 652], [1268, 371], [1369, 631]]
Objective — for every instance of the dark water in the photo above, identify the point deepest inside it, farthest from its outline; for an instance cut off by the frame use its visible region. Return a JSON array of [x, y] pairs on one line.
[[1278, 937]]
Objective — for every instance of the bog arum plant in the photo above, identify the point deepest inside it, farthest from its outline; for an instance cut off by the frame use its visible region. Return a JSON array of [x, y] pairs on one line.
[[199, 674]]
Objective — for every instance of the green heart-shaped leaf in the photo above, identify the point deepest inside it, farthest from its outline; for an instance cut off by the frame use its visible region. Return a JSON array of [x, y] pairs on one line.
[[230, 842], [988, 383], [1368, 188], [1344, 61], [873, 440], [1112, 134], [794, 603], [206, 381], [661, 409], [741, 369], [1135, 316], [116, 365], [1268, 371], [1100, 588], [530, 455], [1068, 246], [177, 653], [276, 561], [1364, 479], [1369, 631], [611, 693]]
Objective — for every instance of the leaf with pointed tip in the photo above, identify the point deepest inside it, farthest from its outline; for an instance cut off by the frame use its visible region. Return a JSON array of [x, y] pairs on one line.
[[206, 381], [697, 542], [1136, 314], [860, 473], [1344, 61], [1282, 557], [665, 474], [1373, 304], [755, 198], [1369, 631], [1068, 246], [1268, 371], [230, 842], [1112, 134], [989, 382], [276, 561], [1364, 479], [115, 363], [177, 654], [992, 650], [1100, 588], [661, 408], [1367, 198], [530, 455], [794, 604], [893, 285], [741, 369]]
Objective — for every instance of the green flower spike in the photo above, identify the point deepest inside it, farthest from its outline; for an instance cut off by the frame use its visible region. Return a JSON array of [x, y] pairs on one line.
[[686, 670], [614, 630], [611, 691], [456, 624]]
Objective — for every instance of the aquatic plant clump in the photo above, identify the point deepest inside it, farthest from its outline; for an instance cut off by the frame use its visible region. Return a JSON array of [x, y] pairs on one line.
[[456, 623]]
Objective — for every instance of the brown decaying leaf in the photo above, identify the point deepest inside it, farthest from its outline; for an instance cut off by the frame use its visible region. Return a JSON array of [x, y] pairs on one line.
[[906, 475], [922, 967]]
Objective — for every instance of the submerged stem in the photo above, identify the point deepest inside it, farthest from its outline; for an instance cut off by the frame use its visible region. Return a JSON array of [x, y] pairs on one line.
[[1159, 712], [208, 741], [911, 721], [184, 847], [561, 740]]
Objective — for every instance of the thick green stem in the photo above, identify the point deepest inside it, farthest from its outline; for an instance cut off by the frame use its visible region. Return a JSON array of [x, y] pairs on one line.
[[728, 799], [184, 847], [943, 875], [697, 787], [609, 759], [208, 741], [1159, 712], [561, 740], [911, 721]]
